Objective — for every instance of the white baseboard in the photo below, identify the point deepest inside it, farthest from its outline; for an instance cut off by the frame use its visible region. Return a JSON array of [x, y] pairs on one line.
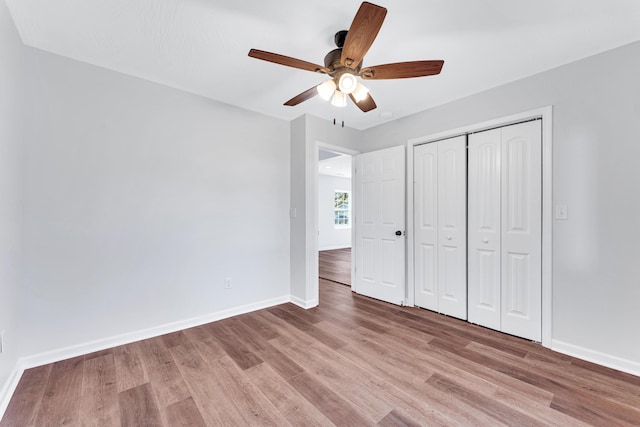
[[613, 362], [9, 387], [304, 304], [57, 355]]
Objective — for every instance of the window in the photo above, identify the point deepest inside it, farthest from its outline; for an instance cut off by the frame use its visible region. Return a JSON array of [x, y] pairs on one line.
[[342, 209]]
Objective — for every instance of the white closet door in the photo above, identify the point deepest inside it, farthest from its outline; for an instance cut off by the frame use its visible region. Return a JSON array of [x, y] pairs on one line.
[[485, 228], [426, 226], [452, 227], [440, 227], [522, 230], [505, 229]]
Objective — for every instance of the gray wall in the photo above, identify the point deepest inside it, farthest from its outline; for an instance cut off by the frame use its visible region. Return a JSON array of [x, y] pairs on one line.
[[306, 132], [11, 113], [139, 201], [596, 152], [298, 202]]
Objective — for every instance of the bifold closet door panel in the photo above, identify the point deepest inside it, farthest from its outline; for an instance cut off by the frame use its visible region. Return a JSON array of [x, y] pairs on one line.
[[522, 230], [505, 229], [426, 226], [485, 228], [452, 227]]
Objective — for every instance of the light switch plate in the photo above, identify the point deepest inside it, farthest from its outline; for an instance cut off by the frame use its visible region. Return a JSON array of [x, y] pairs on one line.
[[562, 212], [293, 213]]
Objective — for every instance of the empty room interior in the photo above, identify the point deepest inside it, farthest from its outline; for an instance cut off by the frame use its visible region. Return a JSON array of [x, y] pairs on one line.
[[224, 213]]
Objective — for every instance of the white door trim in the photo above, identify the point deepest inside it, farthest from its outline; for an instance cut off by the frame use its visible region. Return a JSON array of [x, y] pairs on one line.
[[546, 113]]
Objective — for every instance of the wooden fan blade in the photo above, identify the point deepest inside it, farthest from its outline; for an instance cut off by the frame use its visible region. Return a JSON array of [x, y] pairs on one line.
[[402, 70], [366, 104], [307, 94], [362, 33], [288, 61]]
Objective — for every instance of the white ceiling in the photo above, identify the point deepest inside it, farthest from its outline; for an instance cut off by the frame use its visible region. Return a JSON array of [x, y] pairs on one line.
[[334, 164], [201, 46]]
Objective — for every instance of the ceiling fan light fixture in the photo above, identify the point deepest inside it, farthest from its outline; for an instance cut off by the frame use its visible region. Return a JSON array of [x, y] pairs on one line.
[[339, 99], [360, 93], [347, 83], [326, 89]]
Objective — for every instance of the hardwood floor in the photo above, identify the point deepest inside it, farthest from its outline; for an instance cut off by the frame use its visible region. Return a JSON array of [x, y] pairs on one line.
[[335, 265], [350, 361]]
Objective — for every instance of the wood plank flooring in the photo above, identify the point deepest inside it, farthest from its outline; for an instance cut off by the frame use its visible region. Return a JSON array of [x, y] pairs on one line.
[[351, 361], [335, 265]]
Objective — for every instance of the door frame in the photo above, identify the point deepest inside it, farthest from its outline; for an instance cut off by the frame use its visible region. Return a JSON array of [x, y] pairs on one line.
[[544, 113], [312, 255]]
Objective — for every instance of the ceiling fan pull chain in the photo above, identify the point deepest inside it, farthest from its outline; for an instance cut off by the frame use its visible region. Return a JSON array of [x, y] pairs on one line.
[[335, 122]]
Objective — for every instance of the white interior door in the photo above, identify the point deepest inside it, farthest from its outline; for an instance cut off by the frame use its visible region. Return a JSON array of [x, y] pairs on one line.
[[379, 211], [505, 229], [452, 227], [485, 229], [440, 227], [522, 230], [425, 193]]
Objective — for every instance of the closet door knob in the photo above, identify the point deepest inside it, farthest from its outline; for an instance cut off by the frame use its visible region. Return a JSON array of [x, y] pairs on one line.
[[449, 237], [485, 240]]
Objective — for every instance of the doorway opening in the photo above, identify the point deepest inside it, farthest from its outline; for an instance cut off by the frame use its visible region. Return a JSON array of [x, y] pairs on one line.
[[334, 216], [335, 265]]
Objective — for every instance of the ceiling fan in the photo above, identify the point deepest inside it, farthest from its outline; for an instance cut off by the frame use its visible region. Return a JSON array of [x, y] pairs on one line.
[[344, 64]]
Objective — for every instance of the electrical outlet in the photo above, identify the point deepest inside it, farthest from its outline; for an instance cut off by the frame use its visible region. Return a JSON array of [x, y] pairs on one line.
[[227, 283]]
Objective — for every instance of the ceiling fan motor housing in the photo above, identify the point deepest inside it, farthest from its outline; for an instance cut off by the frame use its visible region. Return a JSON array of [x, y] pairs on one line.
[[333, 58]]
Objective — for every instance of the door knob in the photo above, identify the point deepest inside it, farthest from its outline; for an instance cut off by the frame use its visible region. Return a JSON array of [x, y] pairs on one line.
[[485, 240], [398, 233], [449, 237]]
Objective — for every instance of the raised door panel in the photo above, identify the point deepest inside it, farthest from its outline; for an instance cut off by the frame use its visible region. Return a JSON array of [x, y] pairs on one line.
[[367, 210], [425, 226], [484, 258], [452, 228], [366, 218], [388, 210], [388, 269], [367, 264], [522, 230]]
